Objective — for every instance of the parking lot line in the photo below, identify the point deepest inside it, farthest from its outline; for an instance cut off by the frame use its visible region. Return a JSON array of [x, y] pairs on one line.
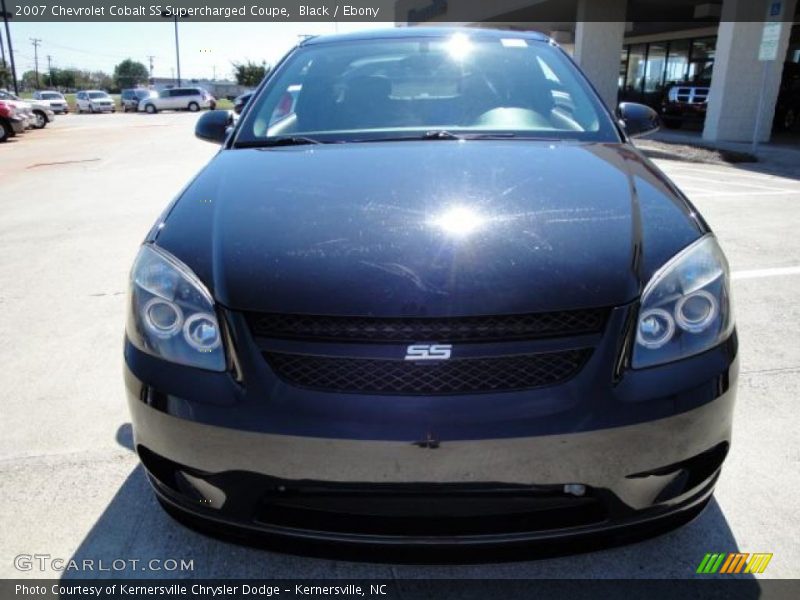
[[732, 183], [727, 172], [774, 272]]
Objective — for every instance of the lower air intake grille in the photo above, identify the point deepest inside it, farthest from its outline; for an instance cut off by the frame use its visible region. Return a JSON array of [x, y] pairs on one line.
[[460, 376]]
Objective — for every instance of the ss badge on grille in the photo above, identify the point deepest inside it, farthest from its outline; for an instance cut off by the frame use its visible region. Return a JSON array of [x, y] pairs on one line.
[[429, 352]]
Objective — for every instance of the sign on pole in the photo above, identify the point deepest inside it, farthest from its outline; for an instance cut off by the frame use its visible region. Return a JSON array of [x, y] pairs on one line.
[[767, 52], [770, 38]]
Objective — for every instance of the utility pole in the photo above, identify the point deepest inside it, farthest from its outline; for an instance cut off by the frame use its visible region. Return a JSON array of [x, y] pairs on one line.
[[36, 42], [150, 58], [214, 76], [2, 51], [6, 15], [177, 51], [174, 15], [50, 69]]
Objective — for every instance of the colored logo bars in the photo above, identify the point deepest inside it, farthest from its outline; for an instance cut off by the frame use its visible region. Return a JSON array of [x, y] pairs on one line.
[[734, 562]]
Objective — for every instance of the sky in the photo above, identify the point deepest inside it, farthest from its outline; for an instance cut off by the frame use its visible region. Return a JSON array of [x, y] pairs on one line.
[[204, 46]]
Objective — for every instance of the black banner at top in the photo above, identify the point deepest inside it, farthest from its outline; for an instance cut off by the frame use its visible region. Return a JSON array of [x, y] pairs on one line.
[[688, 12]]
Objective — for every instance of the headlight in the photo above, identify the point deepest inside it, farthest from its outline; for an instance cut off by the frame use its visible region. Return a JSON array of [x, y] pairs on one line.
[[171, 313], [686, 306]]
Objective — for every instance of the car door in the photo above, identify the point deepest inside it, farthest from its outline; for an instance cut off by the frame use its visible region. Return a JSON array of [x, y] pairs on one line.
[[80, 100], [174, 99]]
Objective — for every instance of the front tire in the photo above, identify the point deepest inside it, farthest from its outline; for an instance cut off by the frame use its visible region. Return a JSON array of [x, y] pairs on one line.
[[4, 131], [194, 107], [150, 109]]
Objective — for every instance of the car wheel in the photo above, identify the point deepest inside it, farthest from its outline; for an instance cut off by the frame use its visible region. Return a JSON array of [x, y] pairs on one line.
[[150, 109], [4, 135], [194, 106], [39, 119]]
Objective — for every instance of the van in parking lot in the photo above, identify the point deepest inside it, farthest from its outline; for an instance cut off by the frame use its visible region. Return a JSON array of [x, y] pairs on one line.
[[188, 98]]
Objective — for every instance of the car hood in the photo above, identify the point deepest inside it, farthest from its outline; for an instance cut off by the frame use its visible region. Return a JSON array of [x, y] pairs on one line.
[[430, 228]]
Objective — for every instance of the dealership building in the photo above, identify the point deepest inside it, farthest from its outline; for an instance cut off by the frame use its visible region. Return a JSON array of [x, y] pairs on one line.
[[637, 50]]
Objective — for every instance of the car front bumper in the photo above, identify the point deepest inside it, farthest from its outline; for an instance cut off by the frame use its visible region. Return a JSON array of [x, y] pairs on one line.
[[18, 124], [469, 491]]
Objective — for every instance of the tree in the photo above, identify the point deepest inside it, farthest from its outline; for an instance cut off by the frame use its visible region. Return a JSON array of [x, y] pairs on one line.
[[103, 81], [28, 80], [250, 74], [130, 73]]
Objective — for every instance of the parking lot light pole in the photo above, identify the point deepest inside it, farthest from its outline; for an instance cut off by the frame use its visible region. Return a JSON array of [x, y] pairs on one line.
[[6, 16], [174, 15]]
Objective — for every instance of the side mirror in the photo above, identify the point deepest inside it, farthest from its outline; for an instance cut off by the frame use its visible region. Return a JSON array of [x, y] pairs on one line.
[[638, 119], [213, 126]]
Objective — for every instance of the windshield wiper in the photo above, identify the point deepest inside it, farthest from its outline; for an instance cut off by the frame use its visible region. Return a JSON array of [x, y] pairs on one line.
[[443, 134], [292, 140]]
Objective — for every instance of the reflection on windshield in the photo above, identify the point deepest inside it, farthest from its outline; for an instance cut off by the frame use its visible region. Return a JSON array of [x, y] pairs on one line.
[[461, 83]]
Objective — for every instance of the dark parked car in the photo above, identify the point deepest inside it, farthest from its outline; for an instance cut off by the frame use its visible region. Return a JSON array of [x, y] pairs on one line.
[[444, 302], [130, 98]]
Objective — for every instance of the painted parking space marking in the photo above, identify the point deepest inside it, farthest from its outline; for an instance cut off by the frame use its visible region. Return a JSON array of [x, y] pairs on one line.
[[758, 273], [731, 183]]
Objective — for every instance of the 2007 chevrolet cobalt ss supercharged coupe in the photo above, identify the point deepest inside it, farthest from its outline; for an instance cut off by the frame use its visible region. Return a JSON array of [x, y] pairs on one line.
[[428, 293]]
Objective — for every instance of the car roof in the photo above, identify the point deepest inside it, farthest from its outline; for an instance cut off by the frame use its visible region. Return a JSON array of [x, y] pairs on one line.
[[423, 32]]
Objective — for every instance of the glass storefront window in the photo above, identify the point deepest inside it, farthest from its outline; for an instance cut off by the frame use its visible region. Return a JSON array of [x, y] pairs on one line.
[[635, 76], [623, 68], [677, 62], [647, 69], [702, 60], [654, 73]]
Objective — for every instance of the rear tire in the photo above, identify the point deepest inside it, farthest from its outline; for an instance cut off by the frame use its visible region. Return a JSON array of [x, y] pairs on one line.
[[4, 131], [194, 106]]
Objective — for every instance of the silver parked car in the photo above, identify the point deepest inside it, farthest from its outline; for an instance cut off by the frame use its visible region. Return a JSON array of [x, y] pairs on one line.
[[94, 101], [55, 100]]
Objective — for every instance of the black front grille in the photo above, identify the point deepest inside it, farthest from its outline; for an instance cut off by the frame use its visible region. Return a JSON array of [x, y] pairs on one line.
[[417, 329], [458, 376]]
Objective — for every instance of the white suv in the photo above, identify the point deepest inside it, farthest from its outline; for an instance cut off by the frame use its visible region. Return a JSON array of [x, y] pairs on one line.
[[94, 101], [192, 99], [54, 99]]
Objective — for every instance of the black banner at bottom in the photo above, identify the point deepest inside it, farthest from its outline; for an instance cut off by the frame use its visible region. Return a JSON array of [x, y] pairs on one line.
[[397, 589]]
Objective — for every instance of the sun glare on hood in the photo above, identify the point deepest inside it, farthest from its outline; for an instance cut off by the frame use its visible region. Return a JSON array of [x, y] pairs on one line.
[[459, 221]]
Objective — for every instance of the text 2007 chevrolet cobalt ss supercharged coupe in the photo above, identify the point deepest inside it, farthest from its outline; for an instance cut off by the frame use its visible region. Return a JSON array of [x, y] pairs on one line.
[[428, 293]]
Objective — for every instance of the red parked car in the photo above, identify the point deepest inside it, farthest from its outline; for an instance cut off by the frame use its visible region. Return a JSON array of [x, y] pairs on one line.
[[10, 122]]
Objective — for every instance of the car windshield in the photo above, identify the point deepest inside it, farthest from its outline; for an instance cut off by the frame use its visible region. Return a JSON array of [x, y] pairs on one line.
[[50, 96], [97, 95], [469, 85]]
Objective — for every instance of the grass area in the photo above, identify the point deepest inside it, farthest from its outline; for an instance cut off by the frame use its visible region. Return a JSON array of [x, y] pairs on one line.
[[224, 104]]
